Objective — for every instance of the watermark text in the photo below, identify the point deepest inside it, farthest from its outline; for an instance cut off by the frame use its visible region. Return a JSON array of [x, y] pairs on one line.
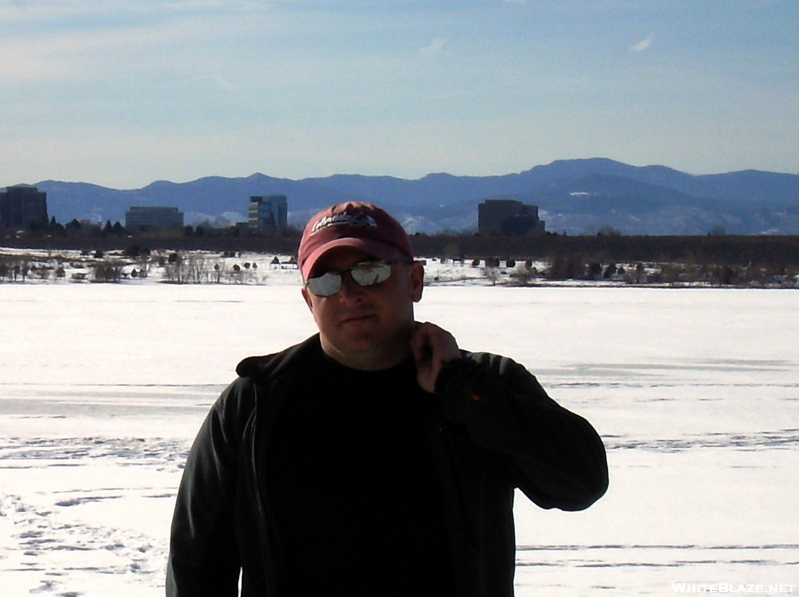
[[722, 587]]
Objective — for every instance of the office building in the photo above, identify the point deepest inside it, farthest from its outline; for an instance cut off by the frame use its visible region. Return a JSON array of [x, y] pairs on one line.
[[505, 217], [22, 207], [138, 218], [268, 212]]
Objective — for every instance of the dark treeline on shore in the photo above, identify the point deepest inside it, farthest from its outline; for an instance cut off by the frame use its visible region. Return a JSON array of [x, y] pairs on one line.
[[717, 249], [715, 258], [727, 250]]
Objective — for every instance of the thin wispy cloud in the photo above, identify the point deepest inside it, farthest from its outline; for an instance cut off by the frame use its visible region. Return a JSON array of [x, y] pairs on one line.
[[434, 47], [67, 11], [93, 49], [643, 44]]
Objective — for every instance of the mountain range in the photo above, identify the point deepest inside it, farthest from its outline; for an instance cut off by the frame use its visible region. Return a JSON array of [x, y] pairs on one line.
[[574, 196]]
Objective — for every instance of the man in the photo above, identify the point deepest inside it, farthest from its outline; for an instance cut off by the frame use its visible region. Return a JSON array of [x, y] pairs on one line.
[[375, 458]]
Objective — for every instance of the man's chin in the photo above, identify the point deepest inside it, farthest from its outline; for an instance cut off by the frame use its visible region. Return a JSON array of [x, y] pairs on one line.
[[364, 351]]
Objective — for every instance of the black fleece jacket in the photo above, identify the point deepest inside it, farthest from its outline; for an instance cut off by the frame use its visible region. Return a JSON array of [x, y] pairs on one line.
[[499, 431]]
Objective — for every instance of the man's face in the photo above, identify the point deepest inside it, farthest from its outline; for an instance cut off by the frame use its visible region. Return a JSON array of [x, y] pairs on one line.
[[366, 327]]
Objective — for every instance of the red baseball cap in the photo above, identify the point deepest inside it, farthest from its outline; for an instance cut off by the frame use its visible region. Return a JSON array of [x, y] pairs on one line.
[[360, 225]]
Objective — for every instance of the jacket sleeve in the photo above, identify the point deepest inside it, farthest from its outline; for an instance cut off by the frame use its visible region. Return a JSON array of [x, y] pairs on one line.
[[554, 456], [203, 558]]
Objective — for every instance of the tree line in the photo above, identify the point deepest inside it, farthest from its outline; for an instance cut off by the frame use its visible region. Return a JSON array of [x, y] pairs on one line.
[[716, 258]]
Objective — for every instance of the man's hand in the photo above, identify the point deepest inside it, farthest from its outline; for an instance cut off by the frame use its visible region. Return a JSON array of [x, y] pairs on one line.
[[432, 347]]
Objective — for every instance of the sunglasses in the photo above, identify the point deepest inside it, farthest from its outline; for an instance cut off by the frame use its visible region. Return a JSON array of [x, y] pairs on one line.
[[366, 273]]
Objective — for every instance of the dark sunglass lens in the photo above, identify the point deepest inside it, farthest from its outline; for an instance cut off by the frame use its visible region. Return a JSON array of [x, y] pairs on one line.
[[369, 274], [325, 285], [364, 274]]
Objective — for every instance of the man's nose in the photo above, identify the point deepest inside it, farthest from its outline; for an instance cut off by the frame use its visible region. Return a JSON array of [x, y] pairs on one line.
[[350, 289]]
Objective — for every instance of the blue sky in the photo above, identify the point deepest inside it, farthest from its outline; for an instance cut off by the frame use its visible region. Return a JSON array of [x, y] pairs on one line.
[[124, 92]]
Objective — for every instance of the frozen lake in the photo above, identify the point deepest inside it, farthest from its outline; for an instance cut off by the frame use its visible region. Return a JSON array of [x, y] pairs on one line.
[[695, 391]]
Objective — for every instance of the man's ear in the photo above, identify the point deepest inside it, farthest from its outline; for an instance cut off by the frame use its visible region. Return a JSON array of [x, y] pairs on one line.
[[307, 296], [417, 281]]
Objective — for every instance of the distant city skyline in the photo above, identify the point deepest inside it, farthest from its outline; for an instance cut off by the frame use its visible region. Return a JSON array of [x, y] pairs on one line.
[[121, 94]]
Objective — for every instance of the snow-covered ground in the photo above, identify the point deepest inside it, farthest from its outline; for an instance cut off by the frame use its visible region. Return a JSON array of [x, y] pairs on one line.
[[695, 391]]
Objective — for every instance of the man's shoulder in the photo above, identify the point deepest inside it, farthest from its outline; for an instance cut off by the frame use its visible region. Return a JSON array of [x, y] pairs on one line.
[[496, 362], [504, 367], [265, 366]]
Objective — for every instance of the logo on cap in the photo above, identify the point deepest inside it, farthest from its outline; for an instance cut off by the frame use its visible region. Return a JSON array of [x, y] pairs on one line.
[[355, 220]]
